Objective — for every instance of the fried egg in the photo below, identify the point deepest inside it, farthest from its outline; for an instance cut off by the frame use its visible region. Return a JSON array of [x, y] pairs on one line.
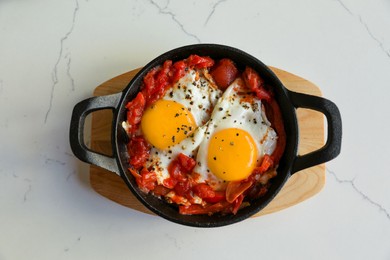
[[237, 137], [173, 124]]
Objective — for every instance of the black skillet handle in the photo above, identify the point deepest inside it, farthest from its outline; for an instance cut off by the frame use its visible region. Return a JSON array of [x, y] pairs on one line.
[[76, 134], [332, 146]]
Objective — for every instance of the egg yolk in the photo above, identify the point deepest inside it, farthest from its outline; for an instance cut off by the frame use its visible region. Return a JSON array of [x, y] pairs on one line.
[[166, 123], [232, 154]]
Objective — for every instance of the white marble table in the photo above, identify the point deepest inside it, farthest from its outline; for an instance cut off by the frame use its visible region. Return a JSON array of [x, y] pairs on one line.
[[54, 53]]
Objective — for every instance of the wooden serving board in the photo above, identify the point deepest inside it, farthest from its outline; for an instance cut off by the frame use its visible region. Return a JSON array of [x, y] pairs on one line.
[[298, 188]]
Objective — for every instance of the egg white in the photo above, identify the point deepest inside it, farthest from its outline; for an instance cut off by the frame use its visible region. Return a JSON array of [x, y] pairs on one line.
[[196, 93], [159, 160], [232, 111], [199, 96]]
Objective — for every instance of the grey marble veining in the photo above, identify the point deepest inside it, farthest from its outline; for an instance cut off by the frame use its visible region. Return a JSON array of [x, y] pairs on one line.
[[54, 53]]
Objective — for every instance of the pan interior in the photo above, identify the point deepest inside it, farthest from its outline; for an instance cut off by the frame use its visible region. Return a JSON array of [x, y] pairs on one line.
[[242, 59]]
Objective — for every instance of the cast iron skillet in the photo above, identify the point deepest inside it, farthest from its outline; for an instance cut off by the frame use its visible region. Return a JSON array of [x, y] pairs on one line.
[[290, 163]]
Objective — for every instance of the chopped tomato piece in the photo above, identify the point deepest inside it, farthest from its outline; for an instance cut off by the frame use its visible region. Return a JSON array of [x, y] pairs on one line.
[[149, 179], [135, 109], [156, 81], [196, 209], [146, 180], [178, 71], [134, 173], [199, 62], [138, 149], [160, 190], [204, 191], [176, 171], [149, 83], [186, 162], [224, 73], [255, 83], [219, 196], [265, 164], [276, 119], [149, 79], [163, 79], [182, 188], [192, 210], [170, 183]]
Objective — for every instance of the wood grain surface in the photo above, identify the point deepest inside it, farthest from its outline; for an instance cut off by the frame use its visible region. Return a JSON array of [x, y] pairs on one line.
[[298, 188]]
